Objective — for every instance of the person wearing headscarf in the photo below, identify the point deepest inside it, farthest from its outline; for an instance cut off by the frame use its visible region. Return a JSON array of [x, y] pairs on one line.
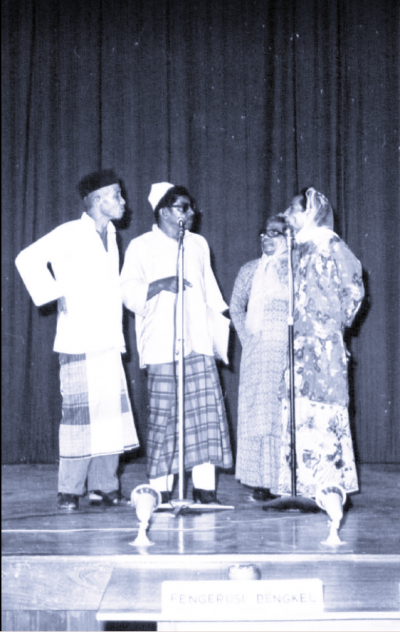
[[97, 423], [149, 287], [259, 311], [328, 291]]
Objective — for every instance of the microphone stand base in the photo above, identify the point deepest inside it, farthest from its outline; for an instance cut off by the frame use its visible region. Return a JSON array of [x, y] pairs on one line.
[[175, 505], [292, 504], [181, 502], [184, 506]]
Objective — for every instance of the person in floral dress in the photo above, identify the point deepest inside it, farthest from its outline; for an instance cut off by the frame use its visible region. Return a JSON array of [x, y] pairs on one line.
[[328, 291]]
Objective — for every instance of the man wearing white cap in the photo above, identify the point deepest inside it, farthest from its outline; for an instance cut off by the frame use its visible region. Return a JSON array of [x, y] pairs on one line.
[[149, 288], [97, 422]]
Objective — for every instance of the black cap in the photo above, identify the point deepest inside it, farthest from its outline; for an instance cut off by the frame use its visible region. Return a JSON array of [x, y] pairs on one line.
[[96, 180]]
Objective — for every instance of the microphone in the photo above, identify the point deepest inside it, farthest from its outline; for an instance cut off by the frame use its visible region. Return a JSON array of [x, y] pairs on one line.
[[181, 225], [288, 233]]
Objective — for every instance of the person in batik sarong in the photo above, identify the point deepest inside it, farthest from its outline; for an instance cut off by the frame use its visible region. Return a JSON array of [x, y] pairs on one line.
[[97, 422], [328, 293], [259, 311], [149, 287]]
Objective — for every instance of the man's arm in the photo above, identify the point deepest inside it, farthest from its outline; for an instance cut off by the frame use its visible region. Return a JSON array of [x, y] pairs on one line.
[[168, 284], [345, 273], [352, 287], [32, 264], [135, 289], [214, 297]]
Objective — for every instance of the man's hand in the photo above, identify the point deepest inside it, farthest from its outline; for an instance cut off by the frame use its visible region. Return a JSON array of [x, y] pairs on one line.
[[62, 305], [168, 284], [171, 284]]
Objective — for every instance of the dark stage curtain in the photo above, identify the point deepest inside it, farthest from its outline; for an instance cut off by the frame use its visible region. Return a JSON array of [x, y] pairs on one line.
[[243, 102]]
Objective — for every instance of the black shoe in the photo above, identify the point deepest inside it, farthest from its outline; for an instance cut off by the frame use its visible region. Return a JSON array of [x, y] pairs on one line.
[[112, 499], [67, 502], [261, 493], [205, 496], [165, 498]]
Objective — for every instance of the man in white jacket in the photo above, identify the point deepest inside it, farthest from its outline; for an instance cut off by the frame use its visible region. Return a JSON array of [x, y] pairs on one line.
[[149, 288], [83, 276]]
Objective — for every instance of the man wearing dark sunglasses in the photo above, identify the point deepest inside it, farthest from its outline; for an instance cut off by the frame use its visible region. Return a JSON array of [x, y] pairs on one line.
[[149, 287]]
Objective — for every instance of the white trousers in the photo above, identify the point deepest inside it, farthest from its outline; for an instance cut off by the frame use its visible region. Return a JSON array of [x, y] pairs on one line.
[[203, 477]]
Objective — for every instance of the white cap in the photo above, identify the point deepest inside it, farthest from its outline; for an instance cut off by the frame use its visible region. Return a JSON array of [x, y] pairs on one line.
[[158, 191]]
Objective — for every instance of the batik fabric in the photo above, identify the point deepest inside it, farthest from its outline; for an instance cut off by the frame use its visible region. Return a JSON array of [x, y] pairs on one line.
[[328, 293]]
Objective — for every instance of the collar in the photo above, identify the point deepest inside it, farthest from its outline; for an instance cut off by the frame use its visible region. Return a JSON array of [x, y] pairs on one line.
[[161, 235], [91, 224]]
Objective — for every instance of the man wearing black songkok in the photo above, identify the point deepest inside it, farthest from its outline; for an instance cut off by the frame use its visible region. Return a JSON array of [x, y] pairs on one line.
[[97, 422]]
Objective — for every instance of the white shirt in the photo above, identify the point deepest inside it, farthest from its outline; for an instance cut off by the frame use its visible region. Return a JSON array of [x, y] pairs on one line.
[[154, 256], [86, 275]]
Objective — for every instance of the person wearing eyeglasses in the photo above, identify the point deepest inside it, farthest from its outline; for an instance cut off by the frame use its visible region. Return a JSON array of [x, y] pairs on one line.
[[259, 311], [149, 281], [328, 290]]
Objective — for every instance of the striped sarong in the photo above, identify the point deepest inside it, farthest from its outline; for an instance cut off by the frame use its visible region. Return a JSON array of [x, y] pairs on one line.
[[96, 412], [206, 427]]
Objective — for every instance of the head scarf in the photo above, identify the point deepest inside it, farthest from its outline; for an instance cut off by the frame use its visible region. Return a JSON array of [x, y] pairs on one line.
[[269, 282], [318, 215]]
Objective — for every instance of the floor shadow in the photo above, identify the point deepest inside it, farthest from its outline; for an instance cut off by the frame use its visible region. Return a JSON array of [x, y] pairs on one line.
[[143, 626]]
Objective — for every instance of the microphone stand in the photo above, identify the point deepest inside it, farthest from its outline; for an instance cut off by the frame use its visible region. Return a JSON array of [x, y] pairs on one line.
[[292, 503], [181, 504], [182, 501]]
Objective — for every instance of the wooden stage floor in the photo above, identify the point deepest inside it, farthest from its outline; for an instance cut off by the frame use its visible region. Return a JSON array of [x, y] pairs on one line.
[[77, 571]]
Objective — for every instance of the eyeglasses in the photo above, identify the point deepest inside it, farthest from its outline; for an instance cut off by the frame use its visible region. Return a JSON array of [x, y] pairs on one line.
[[183, 207], [270, 233]]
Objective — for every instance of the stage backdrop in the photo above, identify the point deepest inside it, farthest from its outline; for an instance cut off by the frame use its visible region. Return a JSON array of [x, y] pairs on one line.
[[244, 102]]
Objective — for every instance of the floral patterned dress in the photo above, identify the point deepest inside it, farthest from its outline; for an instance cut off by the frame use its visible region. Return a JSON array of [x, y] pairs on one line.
[[263, 361], [328, 294]]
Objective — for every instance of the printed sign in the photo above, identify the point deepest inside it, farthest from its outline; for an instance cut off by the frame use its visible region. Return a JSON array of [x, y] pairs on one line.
[[241, 600]]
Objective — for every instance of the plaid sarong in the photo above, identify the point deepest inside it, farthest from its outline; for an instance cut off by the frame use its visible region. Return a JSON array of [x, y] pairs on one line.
[[206, 427], [96, 411]]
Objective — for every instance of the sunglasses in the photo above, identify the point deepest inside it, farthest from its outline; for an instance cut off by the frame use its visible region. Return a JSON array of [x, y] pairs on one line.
[[270, 233], [183, 207]]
